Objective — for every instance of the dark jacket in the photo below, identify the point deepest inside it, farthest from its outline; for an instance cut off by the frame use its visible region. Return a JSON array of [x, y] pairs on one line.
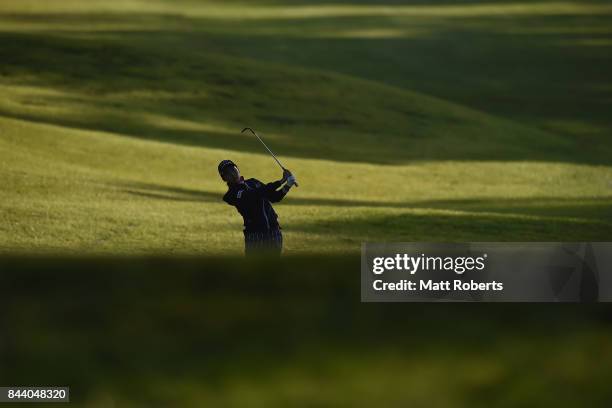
[[252, 200]]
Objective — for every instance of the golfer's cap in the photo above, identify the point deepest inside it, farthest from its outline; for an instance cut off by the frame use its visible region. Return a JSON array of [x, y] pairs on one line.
[[225, 164]]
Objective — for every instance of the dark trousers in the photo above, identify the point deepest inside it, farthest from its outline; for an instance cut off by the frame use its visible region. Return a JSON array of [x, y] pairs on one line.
[[266, 242]]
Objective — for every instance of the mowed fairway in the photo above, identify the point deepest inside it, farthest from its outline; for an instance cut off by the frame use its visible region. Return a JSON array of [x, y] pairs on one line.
[[466, 122]]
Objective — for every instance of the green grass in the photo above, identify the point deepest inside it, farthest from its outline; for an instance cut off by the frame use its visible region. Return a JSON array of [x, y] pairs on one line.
[[462, 122], [218, 332], [403, 121]]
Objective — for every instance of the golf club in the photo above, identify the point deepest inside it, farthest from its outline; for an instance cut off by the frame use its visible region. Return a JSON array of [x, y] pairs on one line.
[[267, 148]]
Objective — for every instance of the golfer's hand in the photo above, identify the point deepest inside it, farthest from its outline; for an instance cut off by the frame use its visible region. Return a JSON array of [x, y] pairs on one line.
[[286, 174], [291, 181]]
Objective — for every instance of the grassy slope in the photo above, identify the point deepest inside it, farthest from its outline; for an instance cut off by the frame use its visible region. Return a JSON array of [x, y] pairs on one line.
[[163, 90], [111, 126], [90, 191]]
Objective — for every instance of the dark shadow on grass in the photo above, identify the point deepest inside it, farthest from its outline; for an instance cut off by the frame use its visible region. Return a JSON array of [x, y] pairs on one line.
[[166, 197], [123, 324], [593, 209], [463, 227]]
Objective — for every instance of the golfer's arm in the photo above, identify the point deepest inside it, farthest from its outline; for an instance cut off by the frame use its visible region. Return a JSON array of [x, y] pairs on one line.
[[273, 186], [275, 195]]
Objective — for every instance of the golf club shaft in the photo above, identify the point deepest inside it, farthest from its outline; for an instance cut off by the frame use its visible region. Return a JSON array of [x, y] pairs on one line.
[[267, 148]]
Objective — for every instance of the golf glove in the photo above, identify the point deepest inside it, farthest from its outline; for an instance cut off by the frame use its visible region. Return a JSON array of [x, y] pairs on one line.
[[291, 181]]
